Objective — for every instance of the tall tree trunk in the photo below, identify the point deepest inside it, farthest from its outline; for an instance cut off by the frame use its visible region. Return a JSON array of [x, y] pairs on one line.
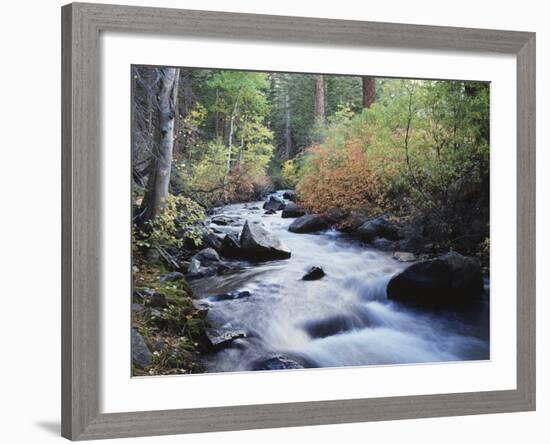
[[241, 147], [369, 91], [230, 139], [161, 160], [288, 140], [319, 98]]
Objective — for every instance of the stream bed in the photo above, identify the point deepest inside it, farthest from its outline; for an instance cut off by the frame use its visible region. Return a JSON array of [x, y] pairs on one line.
[[343, 319]]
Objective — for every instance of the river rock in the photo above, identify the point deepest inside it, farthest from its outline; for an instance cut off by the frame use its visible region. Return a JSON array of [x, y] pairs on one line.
[[141, 355], [293, 210], [403, 256], [219, 338], [378, 227], [308, 224], [231, 247], [334, 215], [202, 307], [276, 363], [274, 203], [351, 223], [229, 296], [207, 255], [313, 274], [333, 325], [270, 212], [156, 300], [172, 276], [210, 240], [221, 220], [452, 280], [194, 268], [259, 244], [383, 244], [289, 195]]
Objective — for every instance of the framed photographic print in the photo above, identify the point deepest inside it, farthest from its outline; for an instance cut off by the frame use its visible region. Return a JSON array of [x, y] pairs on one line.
[[278, 221]]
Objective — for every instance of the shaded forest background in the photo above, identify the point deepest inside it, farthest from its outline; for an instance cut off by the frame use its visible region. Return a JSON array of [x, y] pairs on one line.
[[412, 149]]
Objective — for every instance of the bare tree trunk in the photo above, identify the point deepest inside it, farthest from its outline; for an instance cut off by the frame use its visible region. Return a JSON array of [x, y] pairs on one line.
[[319, 98], [369, 91], [288, 140], [241, 147], [230, 139], [161, 161]]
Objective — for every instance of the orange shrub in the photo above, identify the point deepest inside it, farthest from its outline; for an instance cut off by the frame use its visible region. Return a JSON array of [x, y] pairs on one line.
[[343, 178]]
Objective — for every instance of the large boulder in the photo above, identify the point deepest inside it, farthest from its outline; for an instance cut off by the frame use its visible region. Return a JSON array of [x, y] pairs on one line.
[[334, 216], [293, 210], [308, 224], [141, 355], [274, 203], [378, 227], [351, 222], [259, 244], [230, 247], [449, 281]]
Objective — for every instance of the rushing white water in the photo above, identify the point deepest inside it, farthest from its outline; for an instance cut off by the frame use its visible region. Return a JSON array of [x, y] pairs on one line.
[[343, 319]]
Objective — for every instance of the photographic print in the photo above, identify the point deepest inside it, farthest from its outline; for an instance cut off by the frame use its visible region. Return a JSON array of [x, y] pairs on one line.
[[287, 221]]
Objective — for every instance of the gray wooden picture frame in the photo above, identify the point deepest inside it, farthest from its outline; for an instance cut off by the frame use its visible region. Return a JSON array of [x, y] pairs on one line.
[[81, 172]]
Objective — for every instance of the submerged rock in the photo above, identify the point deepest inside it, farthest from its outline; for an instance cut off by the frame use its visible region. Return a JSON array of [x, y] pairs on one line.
[[308, 224], [379, 227], [259, 244], [313, 274], [229, 296], [333, 325], [276, 363], [269, 212], [452, 280], [141, 355], [274, 203], [292, 210]]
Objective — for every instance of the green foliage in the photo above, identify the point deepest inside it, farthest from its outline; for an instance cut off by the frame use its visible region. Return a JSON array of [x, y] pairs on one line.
[[177, 222], [232, 165], [413, 144]]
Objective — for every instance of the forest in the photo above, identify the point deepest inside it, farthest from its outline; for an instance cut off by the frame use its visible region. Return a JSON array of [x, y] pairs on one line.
[[221, 158]]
